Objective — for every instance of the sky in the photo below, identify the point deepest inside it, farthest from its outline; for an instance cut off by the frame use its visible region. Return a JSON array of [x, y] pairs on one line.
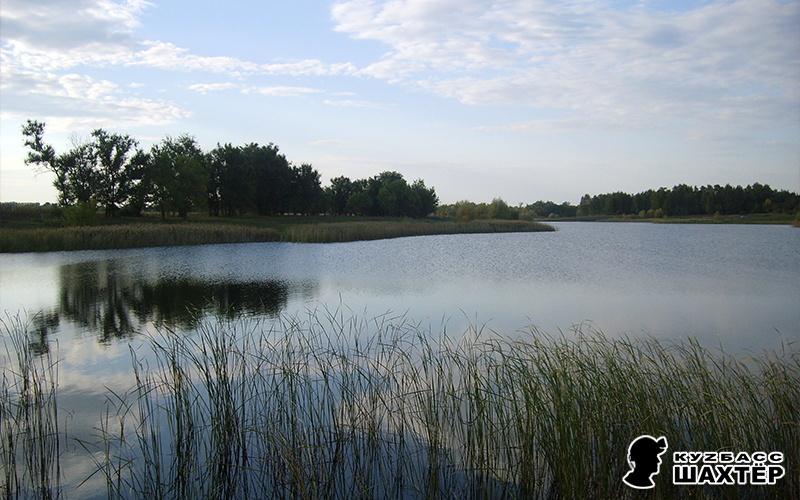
[[523, 100]]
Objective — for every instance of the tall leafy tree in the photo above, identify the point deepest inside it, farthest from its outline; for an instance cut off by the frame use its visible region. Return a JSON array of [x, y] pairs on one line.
[[75, 176], [120, 165], [177, 174], [307, 194], [271, 178], [230, 181], [338, 193], [426, 199]]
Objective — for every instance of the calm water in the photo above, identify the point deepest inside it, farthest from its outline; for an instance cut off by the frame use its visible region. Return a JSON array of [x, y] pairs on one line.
[[734, 285]]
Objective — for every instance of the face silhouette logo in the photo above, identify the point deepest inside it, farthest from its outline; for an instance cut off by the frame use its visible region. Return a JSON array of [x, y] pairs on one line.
[[644, 458]]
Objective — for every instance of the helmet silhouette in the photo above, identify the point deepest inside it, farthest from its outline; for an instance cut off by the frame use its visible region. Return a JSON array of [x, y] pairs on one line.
[[644, 458]]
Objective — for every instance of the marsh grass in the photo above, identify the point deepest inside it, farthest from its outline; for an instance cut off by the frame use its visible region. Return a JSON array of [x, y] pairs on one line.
[[328, 232], [336, 406], [30, 437], [141, 234], [128, 236]]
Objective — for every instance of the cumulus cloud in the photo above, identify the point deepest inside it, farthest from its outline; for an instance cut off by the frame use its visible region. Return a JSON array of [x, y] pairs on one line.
[[729, 60], [71, 100], [49, 49]]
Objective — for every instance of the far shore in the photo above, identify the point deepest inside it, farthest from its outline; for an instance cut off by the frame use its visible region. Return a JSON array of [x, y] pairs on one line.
[[50, 235], [154, 232], [784, 219]]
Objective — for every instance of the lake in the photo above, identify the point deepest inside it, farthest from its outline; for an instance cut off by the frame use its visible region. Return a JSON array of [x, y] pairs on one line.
[[732, 285], [739, 285]]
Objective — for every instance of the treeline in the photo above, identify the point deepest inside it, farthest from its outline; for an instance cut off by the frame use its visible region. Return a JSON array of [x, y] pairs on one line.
[[688, 200], [176, 177], [499, 209], [681, 200]]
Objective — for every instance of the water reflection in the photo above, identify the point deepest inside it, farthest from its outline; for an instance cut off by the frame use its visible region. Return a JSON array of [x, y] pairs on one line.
[[109, 300]]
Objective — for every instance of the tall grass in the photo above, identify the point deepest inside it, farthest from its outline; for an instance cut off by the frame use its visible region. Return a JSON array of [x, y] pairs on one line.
[[128, 236], [30, 437], [336, 406], [135, 235], [328, 232]]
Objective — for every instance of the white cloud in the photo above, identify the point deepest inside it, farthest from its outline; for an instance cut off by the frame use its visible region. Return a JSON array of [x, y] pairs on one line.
[[49, 49], [71, 100], [44, 35], [735, 61], [205, 88], [282, 91]]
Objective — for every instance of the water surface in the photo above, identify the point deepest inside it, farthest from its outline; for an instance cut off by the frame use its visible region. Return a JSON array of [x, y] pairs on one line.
[[735, 286]]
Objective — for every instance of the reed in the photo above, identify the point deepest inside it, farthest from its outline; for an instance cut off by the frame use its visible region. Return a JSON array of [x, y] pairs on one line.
[[335, 407], [330, 405], [128, 236], [30, 437], [135, 235], [329, 232]]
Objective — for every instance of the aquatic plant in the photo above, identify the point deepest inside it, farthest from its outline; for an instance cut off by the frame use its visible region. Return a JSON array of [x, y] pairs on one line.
[[335, 407], [30, 437], [330, 405]]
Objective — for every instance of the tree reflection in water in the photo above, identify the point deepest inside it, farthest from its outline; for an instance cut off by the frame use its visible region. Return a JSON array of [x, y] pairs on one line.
[[110, 302]]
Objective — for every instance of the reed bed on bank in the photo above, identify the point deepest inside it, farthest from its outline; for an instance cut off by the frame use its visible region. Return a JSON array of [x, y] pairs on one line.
[[135, 235], [329, 232], [334, 406], [128, 236]]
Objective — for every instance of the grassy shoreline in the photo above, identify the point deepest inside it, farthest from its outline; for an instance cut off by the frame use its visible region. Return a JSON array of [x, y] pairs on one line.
[[137, 233]]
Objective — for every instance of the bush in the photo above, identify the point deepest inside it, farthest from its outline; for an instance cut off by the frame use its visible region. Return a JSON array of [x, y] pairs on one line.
[[83, 213]]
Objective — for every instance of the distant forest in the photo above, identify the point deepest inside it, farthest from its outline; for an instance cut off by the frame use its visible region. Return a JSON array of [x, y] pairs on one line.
[[681, 200], [110, 172], [176, 176]]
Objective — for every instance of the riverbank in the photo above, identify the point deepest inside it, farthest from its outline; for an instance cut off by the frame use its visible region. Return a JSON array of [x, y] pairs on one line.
[[146, 232]]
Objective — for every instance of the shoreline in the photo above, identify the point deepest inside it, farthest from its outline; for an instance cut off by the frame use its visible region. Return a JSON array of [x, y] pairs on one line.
[[768, 219], [143, 234]]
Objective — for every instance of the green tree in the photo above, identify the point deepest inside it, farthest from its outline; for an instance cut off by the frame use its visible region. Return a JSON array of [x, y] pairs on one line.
[[76, 178], [359, 202], [178, 175], [425, 199], [499, 209], [231, 183], [337, 195], [272, 177], [307, 194], [120, 165]]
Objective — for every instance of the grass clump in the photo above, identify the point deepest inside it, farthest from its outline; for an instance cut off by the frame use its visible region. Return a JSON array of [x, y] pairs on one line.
[[30, 437]]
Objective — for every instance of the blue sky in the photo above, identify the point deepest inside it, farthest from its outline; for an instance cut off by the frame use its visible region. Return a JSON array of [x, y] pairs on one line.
[[519, 99]]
